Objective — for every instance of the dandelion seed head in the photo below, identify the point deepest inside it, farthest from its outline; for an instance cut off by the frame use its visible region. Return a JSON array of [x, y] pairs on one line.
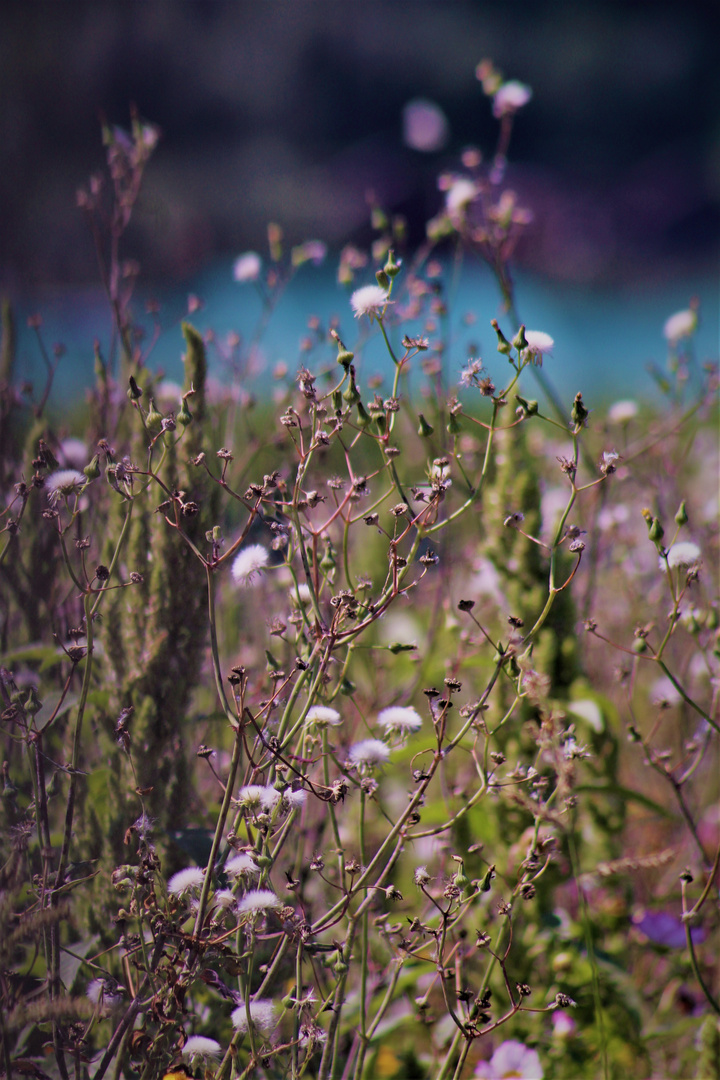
[[323, 716], [684, 554], [370, 300], [257, 901], [201, 1047], [64, 482], [539, 344], [510, 97], [104, 993], [262, 1016], [399, 720], [682, 324], [248, 563], [258, 797], [295, 799], [240, 866], [369, 752], [224, 898], [187, 880]]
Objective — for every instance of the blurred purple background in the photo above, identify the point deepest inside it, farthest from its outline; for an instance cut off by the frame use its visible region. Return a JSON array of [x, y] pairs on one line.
[[289, 110]]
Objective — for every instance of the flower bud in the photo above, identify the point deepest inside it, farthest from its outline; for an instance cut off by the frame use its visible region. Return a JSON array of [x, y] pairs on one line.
[[184, 417], [454, 426], [681, 517], [382, 279], [656, 531], [92, 471], [134, 391], [351, 394], [363, 415], [579, 413], [425, 430], [154, 418], [391, 268], [504, 345], [520, 342], [528, 408]]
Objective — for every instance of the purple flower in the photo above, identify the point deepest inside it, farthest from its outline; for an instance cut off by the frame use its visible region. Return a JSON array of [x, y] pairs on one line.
[[511, 1058], [665, 929]]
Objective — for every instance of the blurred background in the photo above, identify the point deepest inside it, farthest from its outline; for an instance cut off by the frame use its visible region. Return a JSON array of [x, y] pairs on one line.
[[291, 110]]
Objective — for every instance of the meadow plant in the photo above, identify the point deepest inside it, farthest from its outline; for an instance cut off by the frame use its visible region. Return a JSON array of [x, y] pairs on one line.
[[367, 729]]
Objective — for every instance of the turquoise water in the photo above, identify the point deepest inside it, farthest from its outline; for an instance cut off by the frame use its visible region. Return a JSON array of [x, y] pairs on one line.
[[604, 339]]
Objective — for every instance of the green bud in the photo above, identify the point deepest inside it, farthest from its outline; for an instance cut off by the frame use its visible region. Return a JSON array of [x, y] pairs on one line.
[[656, 531], [378, 219], [639, 646], [711, 619], [337, 401], [272, 662], [134, 391], [347, 687], [184, 417], [391, 268], [504, 345], [425, 430], [382, 279], [579, 413], [92, 471], [153, 418], [345, 357], [363, 415], [454, 426], [263, 861], [520, 342], [351, 394], [398, 647], [340, 967], [485, 884], [33, 704], [380, 421], [327, 563], [529, 408], [681, 518]]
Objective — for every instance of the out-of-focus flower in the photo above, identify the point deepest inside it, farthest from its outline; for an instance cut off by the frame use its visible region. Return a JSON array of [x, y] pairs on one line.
[[257, 901], [184, 881], [539, 344], [199, 1046], [313, 251], [684, 553], [664, 693], [104, 993], [682, 324], [224, 898], [247, 267], [63, 483], [622, 412], [399, 720], [262, 1016], [249, 562], [665, 929], [425, 126], [369, 752], [563, 1024], [323, 716], [511, 1059], [241, 865], [74, 453], [510, 97], [371, 300], [459, 195]]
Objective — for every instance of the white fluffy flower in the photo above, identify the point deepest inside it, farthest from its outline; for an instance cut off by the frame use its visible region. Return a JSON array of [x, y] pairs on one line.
[[247, 267], [240, 865], [199, 1046], [104, 993], [684, 554], [511, 1058], [249, 562], [371, 300], [258, 797], [510, 97], [539, 344], [257, 901], [323, 716], [459, 195], [295, 799], [184, 881], [680, 325], [262, 1016], [425, 126], [622, 412], [399, 720], [369, 752], [64, 482], [224, 898]]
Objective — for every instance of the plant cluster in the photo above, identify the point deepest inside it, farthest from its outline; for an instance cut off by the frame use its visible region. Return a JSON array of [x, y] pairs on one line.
[[369, 728]]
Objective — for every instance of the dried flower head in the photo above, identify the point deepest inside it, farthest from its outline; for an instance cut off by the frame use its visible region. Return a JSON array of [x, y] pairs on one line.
[[64, 483], [199, 1046], [248, 563], [262, 1016], [189, 880]]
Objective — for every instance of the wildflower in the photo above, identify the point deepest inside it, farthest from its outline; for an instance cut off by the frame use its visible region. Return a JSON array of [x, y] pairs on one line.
[[510, 97], [224, 898], [607, 465], [371, 300], [301, 595], [74, 453], [295, 799], [459, 195], [199, 1046], [323, 716], [65, 482], [399, 720], [257, 901], [511, 1059], [186, 881], [247, 267], [665, 929], [258, 797], [682, 324], [249, 562], [622, 412], [563, 1024], [539, 344], [664, 693], [421, 876], [240, 865], [262, 1016], [368, 753], [468, 376], [684, 554], [425, 126]]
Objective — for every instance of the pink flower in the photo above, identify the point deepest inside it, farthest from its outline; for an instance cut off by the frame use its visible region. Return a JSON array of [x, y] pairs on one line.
[[511, 1059], [510, 97]]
